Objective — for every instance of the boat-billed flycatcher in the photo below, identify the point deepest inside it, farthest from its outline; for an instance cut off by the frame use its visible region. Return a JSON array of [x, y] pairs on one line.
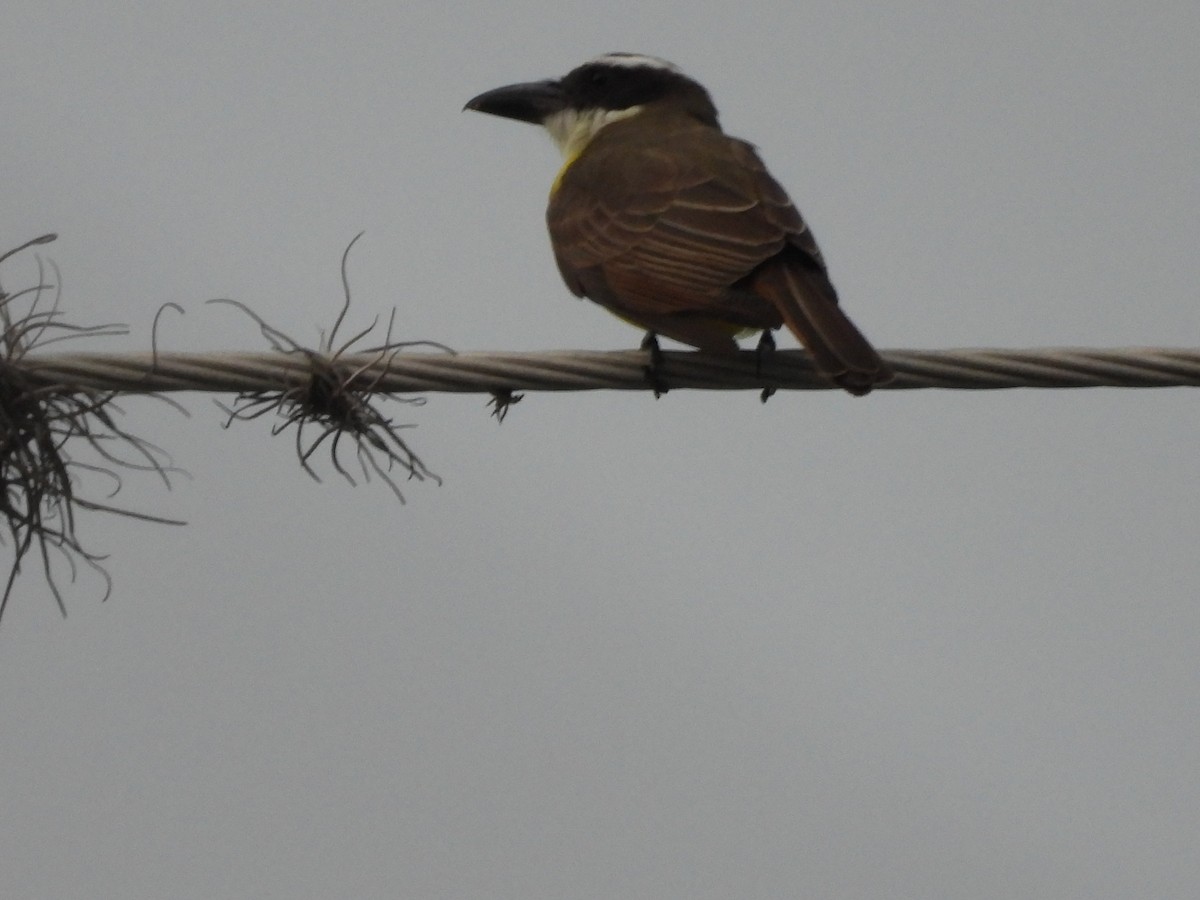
[[674, 226]]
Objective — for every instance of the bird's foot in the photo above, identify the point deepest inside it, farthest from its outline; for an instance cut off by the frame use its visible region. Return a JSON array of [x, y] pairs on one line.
[[655, 366], [762, 357]]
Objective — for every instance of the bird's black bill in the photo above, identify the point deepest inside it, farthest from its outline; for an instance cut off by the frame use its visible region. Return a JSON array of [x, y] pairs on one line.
[[531, 102]]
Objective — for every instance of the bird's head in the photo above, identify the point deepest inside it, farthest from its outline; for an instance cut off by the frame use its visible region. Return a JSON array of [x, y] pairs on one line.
[[603, 90]]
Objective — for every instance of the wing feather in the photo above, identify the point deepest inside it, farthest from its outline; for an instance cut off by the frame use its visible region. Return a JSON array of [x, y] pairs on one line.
[[689, 212]]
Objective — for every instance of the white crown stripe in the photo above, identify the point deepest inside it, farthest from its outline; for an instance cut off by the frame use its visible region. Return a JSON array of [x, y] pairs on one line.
[[636, 60]]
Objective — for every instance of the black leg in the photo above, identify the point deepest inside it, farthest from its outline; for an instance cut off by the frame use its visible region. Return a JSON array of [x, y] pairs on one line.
[[762, 357], [654, 368]]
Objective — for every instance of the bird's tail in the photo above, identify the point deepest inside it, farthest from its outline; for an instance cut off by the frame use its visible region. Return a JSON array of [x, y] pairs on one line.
[[808, 303]]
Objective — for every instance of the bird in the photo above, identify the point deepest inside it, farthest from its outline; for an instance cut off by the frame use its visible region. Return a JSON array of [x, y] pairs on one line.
[[676, 227]]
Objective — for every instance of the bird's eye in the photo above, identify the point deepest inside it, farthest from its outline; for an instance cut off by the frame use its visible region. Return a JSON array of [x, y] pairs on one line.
[[598, 79]]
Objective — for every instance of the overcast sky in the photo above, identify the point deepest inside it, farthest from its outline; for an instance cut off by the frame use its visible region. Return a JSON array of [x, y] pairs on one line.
[[923, 644]]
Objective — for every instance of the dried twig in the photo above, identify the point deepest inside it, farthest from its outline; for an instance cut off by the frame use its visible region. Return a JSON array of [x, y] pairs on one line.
[[502, 402]]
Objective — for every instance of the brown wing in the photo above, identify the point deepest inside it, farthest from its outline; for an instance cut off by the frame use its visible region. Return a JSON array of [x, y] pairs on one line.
[[664, 218]]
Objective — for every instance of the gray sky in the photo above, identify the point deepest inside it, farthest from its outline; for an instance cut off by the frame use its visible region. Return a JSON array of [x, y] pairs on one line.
[[935, 644]]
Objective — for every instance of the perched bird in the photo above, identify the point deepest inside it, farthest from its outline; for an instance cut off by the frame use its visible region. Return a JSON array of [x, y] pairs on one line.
[[673, 225]]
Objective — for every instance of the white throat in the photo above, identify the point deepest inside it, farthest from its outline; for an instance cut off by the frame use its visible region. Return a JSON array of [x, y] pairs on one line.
[[574, 129]]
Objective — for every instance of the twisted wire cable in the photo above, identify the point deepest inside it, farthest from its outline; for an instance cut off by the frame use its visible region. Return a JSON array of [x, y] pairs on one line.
[[422, 372]]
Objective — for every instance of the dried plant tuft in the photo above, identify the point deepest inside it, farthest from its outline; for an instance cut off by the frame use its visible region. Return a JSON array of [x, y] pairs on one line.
[[51, 434], [335, 400]]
